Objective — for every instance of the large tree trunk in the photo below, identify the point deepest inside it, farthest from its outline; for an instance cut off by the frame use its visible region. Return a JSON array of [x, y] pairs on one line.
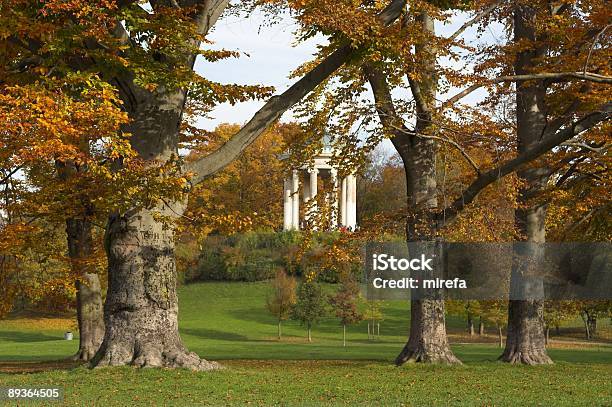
[[89, 293], [427, 341], [141, 309], [526, 338]]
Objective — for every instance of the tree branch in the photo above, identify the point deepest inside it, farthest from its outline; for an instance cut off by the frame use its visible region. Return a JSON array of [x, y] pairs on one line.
[[277, 105], [586, 76], [475, 19], [487, 178]]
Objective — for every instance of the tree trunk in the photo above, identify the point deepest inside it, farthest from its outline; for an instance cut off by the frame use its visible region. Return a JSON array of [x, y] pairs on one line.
[[378, 330], [526, 340], [587, 331], [309, 334], [592, 326], [141, 309], [500, 337], [427, 341], [369, 330], [481, 327], [547, 338], [90, 317], [279, 330], [344, 335], [470, 322]]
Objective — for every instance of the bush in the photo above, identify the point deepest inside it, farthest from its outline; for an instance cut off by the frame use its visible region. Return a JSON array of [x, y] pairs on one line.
[[255, 256], [252, 256]]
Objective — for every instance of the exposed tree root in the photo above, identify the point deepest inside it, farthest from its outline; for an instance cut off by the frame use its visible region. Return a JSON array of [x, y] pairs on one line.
[[84, 354], [526, 357], [153, 356], [419, 354]]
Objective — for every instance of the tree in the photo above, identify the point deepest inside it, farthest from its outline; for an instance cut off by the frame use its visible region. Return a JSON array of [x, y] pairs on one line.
[[495, 312], [373, 314], [344, 305], [394, 65], [282, 298], [59, 133], [470, 309], [148, 55], [310, 305], [246, 194], [589, 312], [382, 177], [555, 312]]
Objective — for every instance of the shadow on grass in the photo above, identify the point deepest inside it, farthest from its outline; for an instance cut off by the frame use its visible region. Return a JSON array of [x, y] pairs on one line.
[[218, 335], [17, 367], [19, 336]]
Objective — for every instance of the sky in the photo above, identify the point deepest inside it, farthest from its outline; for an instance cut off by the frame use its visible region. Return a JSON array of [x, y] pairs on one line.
[[270, 54]]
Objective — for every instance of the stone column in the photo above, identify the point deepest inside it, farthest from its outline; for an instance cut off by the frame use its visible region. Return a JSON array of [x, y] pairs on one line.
[[288, 205], [351, 201], [295, 196], [313, 189], [343, 203], [334, 197]]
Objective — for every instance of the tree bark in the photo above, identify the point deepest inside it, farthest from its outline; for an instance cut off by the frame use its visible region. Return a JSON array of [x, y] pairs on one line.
[[481, 327], [500, 336], [526, 339], [344, 335], [141, 309], [89, 294], [309, 334]]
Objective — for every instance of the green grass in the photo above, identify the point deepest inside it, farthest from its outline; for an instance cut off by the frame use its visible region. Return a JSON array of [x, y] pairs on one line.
[[228, 322]]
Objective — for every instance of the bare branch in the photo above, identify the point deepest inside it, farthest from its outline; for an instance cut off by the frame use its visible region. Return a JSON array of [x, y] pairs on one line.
[[595, 41], [10, 174], [585, 76], [584, 146], [475, 19], [277, 105]]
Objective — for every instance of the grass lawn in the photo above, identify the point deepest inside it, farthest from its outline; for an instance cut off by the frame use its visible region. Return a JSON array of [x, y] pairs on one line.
[[228, 322]]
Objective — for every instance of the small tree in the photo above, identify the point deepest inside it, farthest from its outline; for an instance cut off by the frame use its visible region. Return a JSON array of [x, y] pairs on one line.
[[281, 298], [590, 310], [373, 314], [556, 312], [310, 305], [496, 312], [468, 309], [344, 304]]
